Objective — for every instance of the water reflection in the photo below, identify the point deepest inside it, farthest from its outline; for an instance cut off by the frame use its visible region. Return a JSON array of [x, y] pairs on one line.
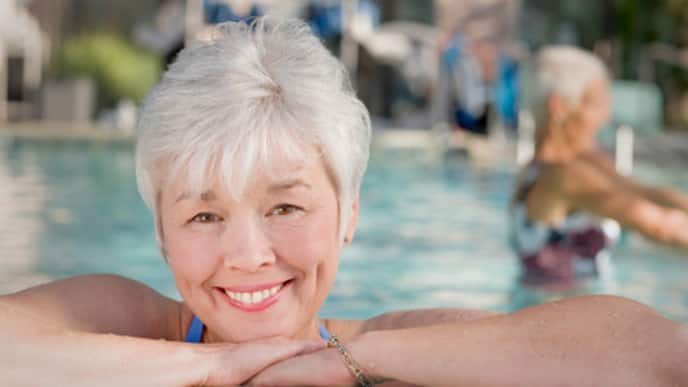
[[22, 207]]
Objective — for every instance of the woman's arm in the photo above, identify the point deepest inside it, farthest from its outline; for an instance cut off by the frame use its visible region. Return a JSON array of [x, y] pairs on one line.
[[663, 196], [101, 304], [422, 317], [35, 354], [584, 186], [347, 329], [669, 197], [590, 341]]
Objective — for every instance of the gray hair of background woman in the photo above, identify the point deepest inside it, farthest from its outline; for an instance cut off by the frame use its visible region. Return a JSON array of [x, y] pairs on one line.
[[565, 71], [238, 104]]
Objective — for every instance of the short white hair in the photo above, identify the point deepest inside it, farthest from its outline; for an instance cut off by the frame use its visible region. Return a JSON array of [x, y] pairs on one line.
[[234, 105], [565, 71]]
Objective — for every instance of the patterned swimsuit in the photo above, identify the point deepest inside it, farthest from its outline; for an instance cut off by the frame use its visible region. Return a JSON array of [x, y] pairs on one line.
[[577, 248]]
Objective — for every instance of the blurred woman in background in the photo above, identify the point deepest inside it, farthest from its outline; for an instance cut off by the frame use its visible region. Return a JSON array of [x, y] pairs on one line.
[[569, 198]]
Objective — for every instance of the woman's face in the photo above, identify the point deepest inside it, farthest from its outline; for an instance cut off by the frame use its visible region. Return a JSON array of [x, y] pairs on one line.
[[260, 266], [591, 113]]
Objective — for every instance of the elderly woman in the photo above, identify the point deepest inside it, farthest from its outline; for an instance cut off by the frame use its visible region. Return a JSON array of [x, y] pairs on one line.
[[251, 153], [570, 194]]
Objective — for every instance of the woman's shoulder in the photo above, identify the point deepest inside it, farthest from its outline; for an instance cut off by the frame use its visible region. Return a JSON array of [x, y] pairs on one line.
[[538, 181], [102, 303], [542, 172], [159, 316], [585, 170], [589, 171], [403, 319]]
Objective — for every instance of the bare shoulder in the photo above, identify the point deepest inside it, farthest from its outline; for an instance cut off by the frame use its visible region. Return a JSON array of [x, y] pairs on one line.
[[580, 174], [405, 319], [101, 303]]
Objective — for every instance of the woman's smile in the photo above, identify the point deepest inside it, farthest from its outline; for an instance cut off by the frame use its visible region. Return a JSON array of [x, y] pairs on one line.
[[254, 298]]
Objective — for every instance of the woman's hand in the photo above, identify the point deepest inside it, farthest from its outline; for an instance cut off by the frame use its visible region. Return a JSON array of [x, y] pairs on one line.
[[325, 367], [234, 364], [321, 368]]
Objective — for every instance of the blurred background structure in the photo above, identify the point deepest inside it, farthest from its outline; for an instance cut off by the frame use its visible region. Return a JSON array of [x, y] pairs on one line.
[[393, 43], [441, 78]]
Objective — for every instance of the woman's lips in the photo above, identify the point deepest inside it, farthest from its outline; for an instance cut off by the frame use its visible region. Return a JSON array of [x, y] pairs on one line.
[[254, 298]]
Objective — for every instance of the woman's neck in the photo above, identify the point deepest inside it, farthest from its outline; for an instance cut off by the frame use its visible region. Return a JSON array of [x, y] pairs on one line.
[[554, 146]]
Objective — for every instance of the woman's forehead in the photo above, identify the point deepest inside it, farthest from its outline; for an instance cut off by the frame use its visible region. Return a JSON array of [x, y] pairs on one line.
[[306, 174]]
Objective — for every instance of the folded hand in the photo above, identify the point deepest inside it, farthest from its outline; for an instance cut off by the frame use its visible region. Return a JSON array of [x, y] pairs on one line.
[[321, 368], [234, 364]]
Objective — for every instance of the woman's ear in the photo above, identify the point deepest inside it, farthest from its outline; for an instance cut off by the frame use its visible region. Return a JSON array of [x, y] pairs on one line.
[[353, 221]]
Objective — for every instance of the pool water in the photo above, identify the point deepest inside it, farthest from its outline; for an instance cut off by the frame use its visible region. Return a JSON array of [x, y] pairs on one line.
[[432, 231]]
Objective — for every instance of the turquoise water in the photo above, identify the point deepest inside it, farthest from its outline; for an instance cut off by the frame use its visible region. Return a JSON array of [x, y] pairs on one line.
[[432, 232]]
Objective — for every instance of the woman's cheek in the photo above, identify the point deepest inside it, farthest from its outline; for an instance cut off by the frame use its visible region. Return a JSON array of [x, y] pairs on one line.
[[192, 252], [304, 245]]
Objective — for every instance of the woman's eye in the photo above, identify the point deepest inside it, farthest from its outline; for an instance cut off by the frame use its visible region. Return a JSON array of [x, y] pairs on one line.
[[284, 209], [205, 217]]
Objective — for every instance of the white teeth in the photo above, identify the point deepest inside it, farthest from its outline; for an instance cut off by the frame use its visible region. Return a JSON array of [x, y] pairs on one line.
[[253, 297]]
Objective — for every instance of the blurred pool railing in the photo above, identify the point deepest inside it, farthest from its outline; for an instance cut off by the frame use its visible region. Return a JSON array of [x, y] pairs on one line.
[[637, 109], [3, 83]]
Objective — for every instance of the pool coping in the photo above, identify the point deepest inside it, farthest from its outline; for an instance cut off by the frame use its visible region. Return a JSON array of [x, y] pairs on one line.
[[52, 131], [661, 148]]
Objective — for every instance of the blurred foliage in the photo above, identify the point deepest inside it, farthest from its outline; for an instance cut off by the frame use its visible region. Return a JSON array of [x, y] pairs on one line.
[[119, 69], [632, 27], [641, 23]]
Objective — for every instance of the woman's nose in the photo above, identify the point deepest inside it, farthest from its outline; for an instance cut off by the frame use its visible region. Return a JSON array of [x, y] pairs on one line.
[[245, 246]]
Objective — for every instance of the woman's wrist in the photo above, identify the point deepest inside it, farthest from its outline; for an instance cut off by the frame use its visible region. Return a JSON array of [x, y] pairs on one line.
[[158, 362], [368, 351], [193, 362]]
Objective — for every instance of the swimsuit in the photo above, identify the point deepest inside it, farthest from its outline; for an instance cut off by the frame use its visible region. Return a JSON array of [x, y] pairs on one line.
[[578, 247]]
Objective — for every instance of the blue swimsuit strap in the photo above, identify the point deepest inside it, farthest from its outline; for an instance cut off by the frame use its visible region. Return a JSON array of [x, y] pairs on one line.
[[324, 333], [195, 333]]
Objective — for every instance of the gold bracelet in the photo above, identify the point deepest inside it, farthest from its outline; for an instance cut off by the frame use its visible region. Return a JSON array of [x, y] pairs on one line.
[[350, 363]]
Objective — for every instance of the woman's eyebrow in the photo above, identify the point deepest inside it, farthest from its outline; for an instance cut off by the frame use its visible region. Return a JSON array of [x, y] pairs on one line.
[[287, 185], [205, 196]]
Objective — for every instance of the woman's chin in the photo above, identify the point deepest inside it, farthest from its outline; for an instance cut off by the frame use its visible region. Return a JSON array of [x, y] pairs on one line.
[[252, 332]]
